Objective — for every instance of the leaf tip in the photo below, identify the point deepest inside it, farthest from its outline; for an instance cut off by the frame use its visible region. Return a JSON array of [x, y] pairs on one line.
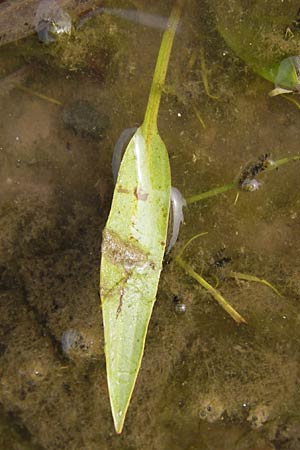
[[119, 419]]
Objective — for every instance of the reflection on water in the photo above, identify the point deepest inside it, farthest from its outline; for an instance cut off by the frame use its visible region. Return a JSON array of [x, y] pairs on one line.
[[205, 382]]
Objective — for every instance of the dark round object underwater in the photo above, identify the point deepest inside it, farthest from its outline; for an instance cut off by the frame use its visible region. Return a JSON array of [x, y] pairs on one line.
[[85, 119]]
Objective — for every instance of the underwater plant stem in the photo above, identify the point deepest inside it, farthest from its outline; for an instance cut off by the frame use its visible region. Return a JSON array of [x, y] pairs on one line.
[[198, 115], [204, 75], [292, 100], [190, 241], [281, 162], [210, 193], [216, 295], [37, 94], [234, 185], [150, 121]]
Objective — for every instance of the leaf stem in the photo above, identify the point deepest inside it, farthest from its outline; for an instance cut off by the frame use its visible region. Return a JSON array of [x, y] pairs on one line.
[[210, 193], [150, 121], [234, 184]]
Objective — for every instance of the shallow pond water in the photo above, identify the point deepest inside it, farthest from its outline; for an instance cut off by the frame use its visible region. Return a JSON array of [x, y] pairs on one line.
[[205, 383]]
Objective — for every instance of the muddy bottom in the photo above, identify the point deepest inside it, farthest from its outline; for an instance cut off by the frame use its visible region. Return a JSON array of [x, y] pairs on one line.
[[205, 383]]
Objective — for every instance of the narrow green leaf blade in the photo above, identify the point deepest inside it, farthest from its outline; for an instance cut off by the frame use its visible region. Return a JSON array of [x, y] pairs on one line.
[[133, 247]]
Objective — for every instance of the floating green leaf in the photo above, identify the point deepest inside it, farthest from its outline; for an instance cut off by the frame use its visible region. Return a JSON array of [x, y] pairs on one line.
[[134, 241]]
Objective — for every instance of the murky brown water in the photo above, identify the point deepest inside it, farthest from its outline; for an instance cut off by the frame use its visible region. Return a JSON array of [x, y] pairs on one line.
[[205, 382]]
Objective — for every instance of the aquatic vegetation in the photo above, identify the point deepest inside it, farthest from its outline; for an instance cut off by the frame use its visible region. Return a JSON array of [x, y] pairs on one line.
[[248, 277], [199, 366], [237, 184], [212, 290], [287, 79], [134, 241], [119, 148], [198, 115], [215, 294], [177, 199], [204, 75], [23, 88], [256, 33], [125, 262]]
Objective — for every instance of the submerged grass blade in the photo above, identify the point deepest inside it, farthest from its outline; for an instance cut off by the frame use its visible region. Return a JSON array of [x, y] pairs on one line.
[[37, 94], [198, 115], [291, 100], [247, 277], [215, 294], [134, 241], [204, 75]]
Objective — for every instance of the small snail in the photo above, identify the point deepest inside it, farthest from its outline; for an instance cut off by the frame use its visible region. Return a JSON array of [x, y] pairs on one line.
[[250, 185], [70, 340], [179, 306], [247, 179]]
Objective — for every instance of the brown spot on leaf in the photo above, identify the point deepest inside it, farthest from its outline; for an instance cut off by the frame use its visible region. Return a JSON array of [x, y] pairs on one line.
[[140, 194], [119, 309], [121, 252], [123, 190]]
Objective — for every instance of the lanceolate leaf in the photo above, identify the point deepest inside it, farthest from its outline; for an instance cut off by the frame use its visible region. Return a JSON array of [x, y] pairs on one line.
[[134, 241]]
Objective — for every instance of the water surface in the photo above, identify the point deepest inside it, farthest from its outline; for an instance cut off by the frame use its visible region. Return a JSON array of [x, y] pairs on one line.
[[205, 383]]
